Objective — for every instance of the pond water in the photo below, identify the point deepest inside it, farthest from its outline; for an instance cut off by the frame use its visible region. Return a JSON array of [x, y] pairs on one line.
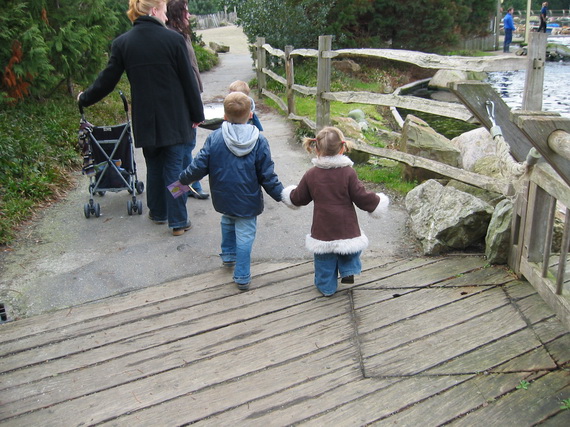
[[556, 96]]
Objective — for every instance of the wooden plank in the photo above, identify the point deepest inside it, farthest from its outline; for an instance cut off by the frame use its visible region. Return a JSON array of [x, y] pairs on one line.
[[538, 128], [249, 399], [412, 316], [16, 331], [376, 406], [431, 274], [412, 358], [440, 108], [478, 180], [461, 399], [433, 61], [189, 377], [487, 275], [142, 347], [474, 95], [131, 323], [546, 393]]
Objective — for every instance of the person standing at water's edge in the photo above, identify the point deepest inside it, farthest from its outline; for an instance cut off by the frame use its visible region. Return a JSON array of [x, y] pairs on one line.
[[543, 17], [166, 102], [509, 27]]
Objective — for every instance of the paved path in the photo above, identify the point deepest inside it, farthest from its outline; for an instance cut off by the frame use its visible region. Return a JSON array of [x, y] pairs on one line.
[[64, 259]]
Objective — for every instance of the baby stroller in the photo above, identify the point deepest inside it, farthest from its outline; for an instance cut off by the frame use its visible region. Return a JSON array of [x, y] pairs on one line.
[[108, 160]]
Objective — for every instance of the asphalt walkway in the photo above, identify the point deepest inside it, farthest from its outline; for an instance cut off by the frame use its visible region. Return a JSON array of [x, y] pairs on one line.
[[63, 259]]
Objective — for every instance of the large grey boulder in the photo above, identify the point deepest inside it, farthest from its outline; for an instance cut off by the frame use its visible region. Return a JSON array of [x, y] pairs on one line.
[[444, 218], [419, 139], [474, 145], [442, 78], [497, 241]]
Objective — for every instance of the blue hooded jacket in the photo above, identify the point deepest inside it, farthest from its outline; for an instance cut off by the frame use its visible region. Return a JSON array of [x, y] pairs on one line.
[[238, 161]]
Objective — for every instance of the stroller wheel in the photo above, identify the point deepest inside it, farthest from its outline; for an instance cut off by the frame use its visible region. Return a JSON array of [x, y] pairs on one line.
[[139, 207], [129, 207], [139, 186], [97, 210], [87, 210], [101, 193]]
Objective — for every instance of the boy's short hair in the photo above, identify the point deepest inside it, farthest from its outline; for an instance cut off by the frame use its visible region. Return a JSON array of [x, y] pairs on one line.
[[240, 86], [237, 107]]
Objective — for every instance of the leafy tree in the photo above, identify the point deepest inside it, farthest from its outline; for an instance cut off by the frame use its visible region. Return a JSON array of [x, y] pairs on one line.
[[45, 43], [425, 25]]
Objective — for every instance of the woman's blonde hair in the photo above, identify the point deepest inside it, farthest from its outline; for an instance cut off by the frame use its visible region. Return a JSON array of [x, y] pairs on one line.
[[141, 7], [328, 142]]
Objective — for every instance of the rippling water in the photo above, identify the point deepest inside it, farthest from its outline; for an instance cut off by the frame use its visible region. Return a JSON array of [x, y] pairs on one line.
[[556, 96]]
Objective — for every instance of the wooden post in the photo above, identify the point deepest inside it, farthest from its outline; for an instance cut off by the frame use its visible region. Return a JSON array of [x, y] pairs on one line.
[[323, 83], [261, 63], [527, 25], [534, 83], [497, 21], [290, 75]]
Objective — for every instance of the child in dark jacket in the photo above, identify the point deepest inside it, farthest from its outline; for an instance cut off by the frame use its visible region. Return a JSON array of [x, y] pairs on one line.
[[238, 161], [336, 239], [243, 87]]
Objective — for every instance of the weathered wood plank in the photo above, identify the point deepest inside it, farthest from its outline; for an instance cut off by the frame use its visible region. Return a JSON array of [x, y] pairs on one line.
[[467, 396], [433, 61], [478, 180], [546, 393], [466, 337], [431, 274], [494, 275], [16, 331], [376, 406], [190, 376], [440, 108], [197, 291]]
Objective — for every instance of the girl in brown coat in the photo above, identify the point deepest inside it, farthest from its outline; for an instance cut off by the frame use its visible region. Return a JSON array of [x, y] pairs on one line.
[[336, 239]]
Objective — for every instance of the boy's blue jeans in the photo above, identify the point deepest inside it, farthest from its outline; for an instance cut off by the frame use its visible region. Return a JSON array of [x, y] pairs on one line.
[[328, 267], [238, 235]]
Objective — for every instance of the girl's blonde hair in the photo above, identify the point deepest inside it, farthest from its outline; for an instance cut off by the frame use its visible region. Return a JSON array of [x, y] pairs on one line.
[[328, 142], [141, 7]]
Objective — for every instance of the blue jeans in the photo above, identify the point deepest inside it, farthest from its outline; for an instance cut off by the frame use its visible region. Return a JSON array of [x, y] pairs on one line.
[[163, 167], [188, 158], [328, 267], [238, 235], [508, 40]]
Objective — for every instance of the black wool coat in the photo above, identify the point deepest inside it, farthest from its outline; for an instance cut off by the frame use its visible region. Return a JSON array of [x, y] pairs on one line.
[[164, 94]]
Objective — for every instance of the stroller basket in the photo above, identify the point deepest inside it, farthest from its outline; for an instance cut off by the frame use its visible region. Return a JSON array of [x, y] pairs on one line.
[[108, 160]]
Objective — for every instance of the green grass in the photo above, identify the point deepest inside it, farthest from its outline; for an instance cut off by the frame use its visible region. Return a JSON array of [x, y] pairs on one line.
[[390, 177]]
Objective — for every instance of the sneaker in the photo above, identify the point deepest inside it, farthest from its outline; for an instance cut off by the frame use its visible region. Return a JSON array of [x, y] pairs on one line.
[[180, 231], [200, 195], [228, 263], [243, 286], [156, 221], [347, 279]]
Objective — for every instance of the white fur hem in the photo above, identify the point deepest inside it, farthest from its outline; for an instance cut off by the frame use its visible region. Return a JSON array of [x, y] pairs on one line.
[[286, 196], [341, 247], [382, 206]]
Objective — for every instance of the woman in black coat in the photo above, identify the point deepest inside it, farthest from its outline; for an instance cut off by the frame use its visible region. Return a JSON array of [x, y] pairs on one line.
[[166, 102]]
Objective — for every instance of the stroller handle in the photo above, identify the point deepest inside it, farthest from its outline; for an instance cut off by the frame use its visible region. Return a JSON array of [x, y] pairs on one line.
[[125, 103]]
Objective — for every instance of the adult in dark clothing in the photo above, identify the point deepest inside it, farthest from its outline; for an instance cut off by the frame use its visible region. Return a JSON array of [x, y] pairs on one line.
[[543, 17], [166, 102], [179, 21]]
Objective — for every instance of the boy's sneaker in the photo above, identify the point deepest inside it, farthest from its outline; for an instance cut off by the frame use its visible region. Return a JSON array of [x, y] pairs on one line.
[[180, 231], [243, 286], [228, 264], [347, 279]]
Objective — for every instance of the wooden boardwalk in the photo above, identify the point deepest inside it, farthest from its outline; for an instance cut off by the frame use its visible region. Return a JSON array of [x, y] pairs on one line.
[[417, 342]]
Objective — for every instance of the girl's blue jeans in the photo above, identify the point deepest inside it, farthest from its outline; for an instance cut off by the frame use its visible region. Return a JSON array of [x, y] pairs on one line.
[[238, 235], [329, 266]]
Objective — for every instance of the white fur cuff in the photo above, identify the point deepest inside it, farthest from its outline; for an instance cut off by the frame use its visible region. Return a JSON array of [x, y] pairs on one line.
[[286, 196], [382, 206]]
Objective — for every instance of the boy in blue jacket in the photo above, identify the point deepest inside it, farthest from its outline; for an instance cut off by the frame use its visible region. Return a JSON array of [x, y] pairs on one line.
[[238, 160]]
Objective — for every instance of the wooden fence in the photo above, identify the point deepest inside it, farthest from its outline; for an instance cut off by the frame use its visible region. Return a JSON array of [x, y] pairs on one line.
[[547, 187], [214, 20]]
